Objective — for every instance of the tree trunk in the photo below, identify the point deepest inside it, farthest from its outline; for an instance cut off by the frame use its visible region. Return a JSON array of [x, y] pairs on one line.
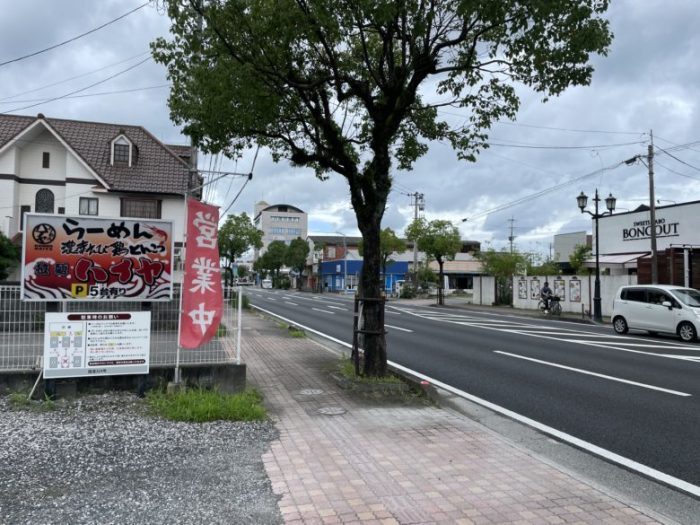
[[371, 292]]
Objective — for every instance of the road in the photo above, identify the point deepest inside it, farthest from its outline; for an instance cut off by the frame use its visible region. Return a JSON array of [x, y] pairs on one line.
[[632, 396]]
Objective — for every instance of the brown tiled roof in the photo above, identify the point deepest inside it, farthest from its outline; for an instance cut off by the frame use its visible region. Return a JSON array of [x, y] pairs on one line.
[[158, 169]]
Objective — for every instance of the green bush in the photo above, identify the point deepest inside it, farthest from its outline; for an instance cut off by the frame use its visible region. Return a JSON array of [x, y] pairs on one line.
[[282, 282], [234, 301], [408, 292], [198, 405]]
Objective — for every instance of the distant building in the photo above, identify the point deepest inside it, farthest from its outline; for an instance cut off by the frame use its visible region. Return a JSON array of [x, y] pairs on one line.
[[279, 222], [564, 246]]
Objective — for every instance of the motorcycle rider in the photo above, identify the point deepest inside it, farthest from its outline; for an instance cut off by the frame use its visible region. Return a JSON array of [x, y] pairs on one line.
[[546, 295]]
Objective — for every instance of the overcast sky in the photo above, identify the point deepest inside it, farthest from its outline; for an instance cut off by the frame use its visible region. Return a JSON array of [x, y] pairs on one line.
[[649, 81]]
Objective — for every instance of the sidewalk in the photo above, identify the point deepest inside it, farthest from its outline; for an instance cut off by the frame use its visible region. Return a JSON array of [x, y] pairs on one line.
[[340, 459]]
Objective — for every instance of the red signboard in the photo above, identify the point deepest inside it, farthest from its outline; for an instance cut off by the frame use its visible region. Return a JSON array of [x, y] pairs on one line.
[[96, 259], [201, 286]]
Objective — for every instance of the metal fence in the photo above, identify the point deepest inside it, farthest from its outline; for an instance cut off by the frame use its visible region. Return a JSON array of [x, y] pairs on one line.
[[22, 329]]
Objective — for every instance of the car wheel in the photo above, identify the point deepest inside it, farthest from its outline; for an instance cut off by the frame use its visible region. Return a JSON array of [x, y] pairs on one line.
[[620, 325], [687, 332]]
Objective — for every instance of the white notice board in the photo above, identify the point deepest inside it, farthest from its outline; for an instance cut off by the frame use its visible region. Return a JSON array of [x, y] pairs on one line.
[[96, 344]]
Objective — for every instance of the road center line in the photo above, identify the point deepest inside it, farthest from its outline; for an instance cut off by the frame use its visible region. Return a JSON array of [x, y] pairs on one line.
[[324, 311], [290, 302], [397, 328], [587, 372]]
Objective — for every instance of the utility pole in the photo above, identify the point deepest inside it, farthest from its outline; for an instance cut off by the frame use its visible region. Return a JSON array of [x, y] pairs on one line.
[[418, 201], [511, 237], [652, 211]]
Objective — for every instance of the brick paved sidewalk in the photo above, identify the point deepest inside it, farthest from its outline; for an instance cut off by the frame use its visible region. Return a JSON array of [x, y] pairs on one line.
[[344, 460]]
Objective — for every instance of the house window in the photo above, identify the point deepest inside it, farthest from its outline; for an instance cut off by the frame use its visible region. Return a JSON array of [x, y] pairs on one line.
[[61, 211], [44, 201], [141, 208], [88, 206], [331, 252], [121, 154], [45, 159], [23, 210]]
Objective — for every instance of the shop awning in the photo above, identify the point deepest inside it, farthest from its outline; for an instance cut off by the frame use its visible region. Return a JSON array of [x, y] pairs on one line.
[[623, 260]]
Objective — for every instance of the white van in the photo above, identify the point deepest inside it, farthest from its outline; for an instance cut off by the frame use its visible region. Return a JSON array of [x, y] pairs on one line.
[[267, 283], [657, 308]]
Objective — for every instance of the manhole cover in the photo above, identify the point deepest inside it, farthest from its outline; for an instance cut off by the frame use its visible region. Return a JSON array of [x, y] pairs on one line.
[[311, 392], [331, 411]]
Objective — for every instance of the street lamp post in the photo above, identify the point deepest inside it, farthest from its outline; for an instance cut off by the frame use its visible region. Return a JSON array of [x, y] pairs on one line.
[[582, 201]]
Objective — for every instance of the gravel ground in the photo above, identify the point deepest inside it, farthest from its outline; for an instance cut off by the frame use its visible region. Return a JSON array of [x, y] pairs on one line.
[[102, 459]]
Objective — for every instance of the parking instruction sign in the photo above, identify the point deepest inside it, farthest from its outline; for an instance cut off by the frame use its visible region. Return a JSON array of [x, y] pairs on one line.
[[96, 344]]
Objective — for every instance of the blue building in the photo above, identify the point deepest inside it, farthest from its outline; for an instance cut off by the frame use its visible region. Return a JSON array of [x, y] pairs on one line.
[[344, 274]]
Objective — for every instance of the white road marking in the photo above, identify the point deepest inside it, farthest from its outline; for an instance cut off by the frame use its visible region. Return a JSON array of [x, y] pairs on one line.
[[290, 302], [588, 372], [563, 436], [397, 328], [338, 308], [324, 311]]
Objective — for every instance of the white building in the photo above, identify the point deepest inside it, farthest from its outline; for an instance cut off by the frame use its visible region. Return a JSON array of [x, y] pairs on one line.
[[279, 222], [72, 167]]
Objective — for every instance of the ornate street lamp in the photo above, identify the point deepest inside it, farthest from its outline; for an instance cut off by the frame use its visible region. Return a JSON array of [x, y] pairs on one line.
[[582, 201]]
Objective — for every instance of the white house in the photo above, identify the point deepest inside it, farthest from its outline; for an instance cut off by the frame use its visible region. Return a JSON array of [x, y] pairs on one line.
[[89, 168]]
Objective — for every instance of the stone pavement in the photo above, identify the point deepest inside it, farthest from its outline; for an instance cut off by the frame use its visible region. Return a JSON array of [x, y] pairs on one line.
[[344, 459]]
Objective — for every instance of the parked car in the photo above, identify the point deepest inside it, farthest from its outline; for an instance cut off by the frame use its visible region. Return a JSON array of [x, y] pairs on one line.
[[266, 283], [657, 308]]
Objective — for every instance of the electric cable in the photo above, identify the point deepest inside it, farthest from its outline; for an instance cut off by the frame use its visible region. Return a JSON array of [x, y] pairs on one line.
[[79, 90], [74, 38]]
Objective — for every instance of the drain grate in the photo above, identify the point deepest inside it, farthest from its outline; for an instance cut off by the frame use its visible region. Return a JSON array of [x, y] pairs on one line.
[[311, 392], [332, 411]]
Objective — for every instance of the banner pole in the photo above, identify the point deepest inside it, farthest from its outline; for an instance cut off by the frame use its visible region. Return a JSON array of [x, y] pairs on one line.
[[176, 378], [238, 335]]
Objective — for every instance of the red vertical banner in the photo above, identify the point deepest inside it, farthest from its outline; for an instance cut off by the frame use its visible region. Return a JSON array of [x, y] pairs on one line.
[[201, 284]]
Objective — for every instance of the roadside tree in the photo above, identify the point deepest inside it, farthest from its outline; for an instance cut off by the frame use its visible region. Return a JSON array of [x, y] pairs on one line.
[[503, 266], [354, 87], [578, 257], [237, 236], [440, 241], [296, 256], [389, 244], [9, 257]]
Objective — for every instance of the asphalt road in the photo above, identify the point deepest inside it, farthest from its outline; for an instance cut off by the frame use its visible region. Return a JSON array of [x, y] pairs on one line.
[[635, 396]]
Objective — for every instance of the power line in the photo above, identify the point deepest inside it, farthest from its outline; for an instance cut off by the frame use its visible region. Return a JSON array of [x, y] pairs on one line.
[[536, 146], [679, 160], [81, 89], [540, 193], [102, 93], [73, 78], [74, 38], [676, 172], [552, 128]]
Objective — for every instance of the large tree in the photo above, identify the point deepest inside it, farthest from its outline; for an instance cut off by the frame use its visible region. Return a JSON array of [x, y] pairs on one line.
[[238, 235], [353, 86], [439, 240], [389, 244]]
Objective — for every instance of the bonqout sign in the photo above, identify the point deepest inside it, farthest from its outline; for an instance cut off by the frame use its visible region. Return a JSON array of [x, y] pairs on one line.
[[96, 259]]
